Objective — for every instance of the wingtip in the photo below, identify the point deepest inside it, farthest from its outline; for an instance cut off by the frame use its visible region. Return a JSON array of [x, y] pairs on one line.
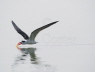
[[56, 21], [12, 21]]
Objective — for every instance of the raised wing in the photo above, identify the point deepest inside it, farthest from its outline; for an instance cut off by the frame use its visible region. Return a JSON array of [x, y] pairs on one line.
[[25, 36], [35, 32]]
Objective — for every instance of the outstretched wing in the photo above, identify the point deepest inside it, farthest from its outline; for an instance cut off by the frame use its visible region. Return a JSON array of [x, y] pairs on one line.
[[35, 32], [25, 36]]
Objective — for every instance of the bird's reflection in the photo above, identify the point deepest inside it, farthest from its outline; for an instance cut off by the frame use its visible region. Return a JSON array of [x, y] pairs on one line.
[[28, 51], [27, 60]]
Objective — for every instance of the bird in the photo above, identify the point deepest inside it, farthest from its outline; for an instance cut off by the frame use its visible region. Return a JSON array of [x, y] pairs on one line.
[[31, 39]]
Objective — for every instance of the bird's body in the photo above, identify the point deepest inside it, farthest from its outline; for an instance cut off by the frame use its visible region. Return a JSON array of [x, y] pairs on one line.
[[30, 42], [31, 39]]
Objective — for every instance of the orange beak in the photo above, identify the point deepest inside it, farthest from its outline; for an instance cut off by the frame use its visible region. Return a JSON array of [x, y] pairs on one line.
[[18, 44]]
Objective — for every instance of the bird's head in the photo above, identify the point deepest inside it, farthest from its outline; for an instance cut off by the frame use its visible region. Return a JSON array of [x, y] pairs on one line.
[[22, 42]]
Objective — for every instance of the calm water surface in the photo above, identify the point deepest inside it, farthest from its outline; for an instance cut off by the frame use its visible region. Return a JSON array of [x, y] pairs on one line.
[[30, 59], [75, 58]]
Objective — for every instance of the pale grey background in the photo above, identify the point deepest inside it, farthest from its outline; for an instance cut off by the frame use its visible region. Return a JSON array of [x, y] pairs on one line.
[[76, 24]]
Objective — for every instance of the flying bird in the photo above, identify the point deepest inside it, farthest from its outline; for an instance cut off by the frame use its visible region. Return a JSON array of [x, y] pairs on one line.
[[31, 39]]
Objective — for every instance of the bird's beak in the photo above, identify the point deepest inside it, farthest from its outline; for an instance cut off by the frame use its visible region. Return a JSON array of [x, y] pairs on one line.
[[18, 44]]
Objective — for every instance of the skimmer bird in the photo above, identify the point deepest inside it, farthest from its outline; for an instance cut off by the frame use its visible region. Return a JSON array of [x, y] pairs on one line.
[[31, 39]]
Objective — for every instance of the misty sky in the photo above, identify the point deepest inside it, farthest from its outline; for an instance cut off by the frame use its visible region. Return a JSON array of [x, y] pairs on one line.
[[76, 18]]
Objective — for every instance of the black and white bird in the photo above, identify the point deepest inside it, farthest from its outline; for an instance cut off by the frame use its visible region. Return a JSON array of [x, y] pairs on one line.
[[31, 39]]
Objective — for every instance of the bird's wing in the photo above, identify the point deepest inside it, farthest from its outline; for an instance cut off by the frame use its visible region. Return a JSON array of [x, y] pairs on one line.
[[25, 36], [35, 32]]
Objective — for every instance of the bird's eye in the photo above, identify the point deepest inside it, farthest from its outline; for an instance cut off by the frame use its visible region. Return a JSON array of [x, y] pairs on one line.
[[23, 41]]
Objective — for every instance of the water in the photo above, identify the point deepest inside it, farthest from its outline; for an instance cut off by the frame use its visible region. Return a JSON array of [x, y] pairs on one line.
[[29, 60], [71, 58]]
